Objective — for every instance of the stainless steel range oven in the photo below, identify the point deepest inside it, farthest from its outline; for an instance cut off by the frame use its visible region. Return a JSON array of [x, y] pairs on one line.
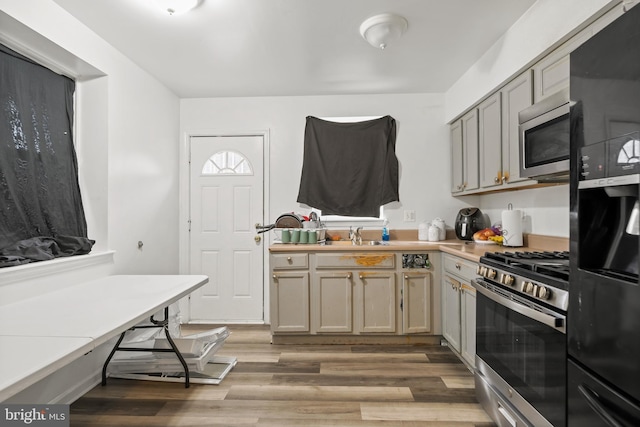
[[521, 348]]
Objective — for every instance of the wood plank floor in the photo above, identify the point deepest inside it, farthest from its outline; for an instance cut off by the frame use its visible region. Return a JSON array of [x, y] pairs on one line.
[[300, 385]]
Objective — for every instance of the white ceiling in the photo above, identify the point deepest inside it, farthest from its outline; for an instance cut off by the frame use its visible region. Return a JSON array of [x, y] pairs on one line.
[[299, 47]]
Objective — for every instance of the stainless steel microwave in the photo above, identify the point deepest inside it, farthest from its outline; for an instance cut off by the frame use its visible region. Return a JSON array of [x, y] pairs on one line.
[[544, 138]]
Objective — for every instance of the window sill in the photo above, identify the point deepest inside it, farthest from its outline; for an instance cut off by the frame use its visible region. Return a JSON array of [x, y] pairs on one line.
[[35, 270]]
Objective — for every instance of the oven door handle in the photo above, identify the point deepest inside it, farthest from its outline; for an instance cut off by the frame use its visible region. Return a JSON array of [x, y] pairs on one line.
[[544, 318], [593, 402]]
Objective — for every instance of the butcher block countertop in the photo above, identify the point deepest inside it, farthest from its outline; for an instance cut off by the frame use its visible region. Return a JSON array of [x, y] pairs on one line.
[[464, 249]]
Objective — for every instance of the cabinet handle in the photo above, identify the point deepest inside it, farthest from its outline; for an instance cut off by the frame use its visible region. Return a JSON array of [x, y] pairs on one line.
[[496, 179], [348, 275], [458, 267], [275, 277], [361, 276], [406, 277], [504, 179], [464, 185], [289, 259]]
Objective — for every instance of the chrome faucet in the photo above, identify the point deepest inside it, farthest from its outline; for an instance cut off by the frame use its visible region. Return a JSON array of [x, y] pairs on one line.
[[355, 236]]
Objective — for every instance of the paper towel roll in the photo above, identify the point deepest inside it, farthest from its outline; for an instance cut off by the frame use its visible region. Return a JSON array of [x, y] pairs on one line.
[[512, 227]]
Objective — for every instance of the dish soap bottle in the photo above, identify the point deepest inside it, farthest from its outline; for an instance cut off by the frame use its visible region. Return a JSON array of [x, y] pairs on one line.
[[385, 230]]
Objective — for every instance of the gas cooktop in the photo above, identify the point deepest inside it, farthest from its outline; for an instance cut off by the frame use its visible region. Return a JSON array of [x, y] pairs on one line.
[[550, 264], [542, 275]]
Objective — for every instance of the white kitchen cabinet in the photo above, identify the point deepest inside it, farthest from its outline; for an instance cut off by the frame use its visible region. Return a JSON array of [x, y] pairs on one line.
[[464, 153], [458, 306]]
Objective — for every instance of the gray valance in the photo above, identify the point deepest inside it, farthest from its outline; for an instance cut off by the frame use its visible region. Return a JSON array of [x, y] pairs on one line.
[[349, 169]]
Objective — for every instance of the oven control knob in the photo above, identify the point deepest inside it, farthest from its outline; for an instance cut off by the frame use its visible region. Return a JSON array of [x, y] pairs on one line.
[[478, 270], [491, 274], [544, 292], [527, 287], [507, 279]]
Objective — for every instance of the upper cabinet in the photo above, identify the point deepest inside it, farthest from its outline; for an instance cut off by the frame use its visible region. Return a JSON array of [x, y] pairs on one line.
[[485, 153], [464, 153], [551, 73], [490, 140], [516, 96]]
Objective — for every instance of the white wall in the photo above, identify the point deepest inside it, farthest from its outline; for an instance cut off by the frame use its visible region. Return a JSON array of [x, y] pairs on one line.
[[542, 27], [421, 146], [127, 136], [127, 142]]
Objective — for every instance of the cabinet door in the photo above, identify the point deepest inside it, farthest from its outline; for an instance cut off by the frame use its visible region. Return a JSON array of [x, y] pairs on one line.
[[468, 336], [551, 73], [470, 150], [332, 297], [457, 176], [290, 302], [516, 96], [451, 311], [377, 302], [416, 303], [490, 140]]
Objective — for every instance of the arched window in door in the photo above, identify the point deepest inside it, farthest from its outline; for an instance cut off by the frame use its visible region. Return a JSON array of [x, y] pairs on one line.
[[227, 163]]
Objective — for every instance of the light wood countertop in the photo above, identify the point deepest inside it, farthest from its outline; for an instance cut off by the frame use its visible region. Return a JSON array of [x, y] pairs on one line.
[[464, 249]]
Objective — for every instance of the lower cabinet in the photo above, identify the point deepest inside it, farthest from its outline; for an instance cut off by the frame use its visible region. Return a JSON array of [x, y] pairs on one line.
[[344, 293], [459, 306], [353, 302], [416, 302], [290, 301], [468, 324], [451, 326]]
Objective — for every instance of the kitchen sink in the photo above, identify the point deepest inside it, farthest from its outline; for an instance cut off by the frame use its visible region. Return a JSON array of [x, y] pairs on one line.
[[349, 243]]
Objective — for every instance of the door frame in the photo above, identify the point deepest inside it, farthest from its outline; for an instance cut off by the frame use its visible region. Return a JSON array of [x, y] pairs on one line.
[[184, 213]]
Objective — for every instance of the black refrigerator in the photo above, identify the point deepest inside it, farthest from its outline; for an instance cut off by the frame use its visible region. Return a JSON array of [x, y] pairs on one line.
[[603, 322]]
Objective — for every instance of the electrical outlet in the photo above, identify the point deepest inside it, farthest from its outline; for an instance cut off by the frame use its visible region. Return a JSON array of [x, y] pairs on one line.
[[410, 216]]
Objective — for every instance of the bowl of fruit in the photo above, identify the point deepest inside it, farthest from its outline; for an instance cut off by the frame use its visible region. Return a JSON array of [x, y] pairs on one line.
[[488, 236]]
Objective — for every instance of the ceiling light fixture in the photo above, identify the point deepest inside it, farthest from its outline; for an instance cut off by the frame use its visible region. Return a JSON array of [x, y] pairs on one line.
[[379, 30], [176, 7]]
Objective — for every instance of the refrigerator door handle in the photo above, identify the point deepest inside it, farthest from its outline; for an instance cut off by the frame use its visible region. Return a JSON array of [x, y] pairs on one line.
[[592, 399]]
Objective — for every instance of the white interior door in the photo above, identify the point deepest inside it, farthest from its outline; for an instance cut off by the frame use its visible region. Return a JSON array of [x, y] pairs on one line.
[[226, 201]]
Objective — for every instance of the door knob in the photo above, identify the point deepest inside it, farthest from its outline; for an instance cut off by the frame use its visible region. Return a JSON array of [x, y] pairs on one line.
[[257, 239]]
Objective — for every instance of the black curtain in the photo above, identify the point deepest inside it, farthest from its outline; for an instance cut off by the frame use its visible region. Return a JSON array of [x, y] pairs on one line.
[[349, 169], [41, 213]]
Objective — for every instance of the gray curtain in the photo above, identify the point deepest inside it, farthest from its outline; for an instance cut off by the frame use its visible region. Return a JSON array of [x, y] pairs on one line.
[[41, 213], [349, 169]]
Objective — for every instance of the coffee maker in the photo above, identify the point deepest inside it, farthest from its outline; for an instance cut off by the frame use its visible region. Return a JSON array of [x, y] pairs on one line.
[[468, 221]]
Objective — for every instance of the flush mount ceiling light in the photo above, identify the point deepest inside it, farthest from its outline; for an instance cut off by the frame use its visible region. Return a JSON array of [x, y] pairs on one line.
[[176, 7], [379, 30]]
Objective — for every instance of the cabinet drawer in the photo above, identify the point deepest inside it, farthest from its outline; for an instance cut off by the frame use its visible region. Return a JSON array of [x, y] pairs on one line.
[[375, 260], [289, 261], [460, 267]]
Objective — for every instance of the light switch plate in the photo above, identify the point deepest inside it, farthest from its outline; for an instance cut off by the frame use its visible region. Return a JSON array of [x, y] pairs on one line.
[[409, 216]]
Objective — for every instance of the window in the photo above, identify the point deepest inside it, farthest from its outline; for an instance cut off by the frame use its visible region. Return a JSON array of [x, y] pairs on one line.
[[227, 163], [42, 215], [349, 168]]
